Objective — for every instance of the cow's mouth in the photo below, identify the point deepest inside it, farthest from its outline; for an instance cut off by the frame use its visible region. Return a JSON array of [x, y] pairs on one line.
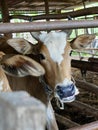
[[66, 93], [69, 99]]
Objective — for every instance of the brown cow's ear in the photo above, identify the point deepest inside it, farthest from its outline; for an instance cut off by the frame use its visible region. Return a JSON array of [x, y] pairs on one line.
[[36, 35], [21, 66], [82, 41], [20, 45], [4, 84], [1, 55]]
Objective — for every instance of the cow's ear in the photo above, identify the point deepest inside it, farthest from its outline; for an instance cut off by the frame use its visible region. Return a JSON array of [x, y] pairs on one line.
[[21, 66], [4, 84], [20, 45], [82, 41]]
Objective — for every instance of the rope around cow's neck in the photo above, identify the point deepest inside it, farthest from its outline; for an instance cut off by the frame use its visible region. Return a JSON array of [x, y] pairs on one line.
[[50, 92]]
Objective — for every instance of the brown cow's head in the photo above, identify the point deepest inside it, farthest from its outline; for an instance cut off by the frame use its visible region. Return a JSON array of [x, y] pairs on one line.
[[55, 57]]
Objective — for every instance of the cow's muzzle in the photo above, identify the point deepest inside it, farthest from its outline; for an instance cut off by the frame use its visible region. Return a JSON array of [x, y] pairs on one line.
[[66, 93]]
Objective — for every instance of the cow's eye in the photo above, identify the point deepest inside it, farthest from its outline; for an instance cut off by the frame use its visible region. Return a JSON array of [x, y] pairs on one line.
[[41, 56]]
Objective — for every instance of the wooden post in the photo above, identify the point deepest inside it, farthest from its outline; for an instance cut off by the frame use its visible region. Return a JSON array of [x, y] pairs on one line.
[[46, 8], [5, 15]]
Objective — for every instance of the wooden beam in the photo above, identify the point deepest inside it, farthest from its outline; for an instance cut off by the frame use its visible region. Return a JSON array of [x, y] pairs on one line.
[[85, 108], [87, 86], [92, 59], [72, 14], [65, 121], [5, 15], [85, 65], [89, 126]]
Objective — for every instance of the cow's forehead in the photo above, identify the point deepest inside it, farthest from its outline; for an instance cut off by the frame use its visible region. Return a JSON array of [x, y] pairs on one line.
[[55, 43]]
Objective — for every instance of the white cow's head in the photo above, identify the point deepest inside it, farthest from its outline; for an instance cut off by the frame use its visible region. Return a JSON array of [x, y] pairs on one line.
[[54, 52]]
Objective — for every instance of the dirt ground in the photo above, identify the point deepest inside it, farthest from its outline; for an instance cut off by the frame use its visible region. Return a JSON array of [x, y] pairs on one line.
[[91, 77], [87, 96]]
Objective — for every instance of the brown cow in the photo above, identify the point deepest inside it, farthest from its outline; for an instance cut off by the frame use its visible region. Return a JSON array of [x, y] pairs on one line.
[[51, 77]]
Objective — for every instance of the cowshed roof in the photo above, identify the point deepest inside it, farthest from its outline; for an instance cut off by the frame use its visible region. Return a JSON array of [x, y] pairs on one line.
[[39, 5]]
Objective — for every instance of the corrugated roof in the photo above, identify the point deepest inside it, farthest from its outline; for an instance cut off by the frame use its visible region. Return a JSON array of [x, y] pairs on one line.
[[40, 4]]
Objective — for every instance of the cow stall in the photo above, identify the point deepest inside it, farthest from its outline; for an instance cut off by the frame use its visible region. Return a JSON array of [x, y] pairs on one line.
[[83, 112]]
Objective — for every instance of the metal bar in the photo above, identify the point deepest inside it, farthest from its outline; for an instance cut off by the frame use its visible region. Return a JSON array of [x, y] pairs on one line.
[[89, 126], [49, 25]]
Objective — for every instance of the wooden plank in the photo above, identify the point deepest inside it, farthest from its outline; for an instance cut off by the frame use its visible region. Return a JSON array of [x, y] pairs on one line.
[[87, 86], [91, 59], [85, 65], [87, 109], [89, 126], [65, 121]]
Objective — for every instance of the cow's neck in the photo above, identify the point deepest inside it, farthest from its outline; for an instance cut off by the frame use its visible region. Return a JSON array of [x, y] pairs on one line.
[[29, 84], [49, 92]]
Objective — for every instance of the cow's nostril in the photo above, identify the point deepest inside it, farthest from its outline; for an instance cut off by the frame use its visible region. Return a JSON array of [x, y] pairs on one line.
[[65, 92]]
